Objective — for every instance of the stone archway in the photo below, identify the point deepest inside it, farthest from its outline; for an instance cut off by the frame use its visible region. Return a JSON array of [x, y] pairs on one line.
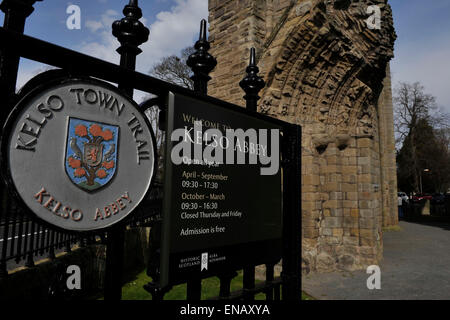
[[324, 69]]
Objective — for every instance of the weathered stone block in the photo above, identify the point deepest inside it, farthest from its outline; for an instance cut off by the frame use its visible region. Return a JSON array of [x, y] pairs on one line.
[[352, 241], [332, 222], [310, 233]]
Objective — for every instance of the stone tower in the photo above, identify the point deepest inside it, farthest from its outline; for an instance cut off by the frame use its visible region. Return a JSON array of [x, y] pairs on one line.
[[326, 70]]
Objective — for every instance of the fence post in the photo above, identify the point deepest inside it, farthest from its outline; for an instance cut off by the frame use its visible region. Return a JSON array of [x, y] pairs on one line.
[[225, 284], [16, 13], [201, 63], [131, 33], [251, 84], [291, 152]]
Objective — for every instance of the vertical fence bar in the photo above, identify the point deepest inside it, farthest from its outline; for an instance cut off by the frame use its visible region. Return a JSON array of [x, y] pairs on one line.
[[51, 251], [13, 234], [4, 215], [16, 13], [225, 284], [57, 240], [251, 84], [20, 236], [277, 296], [68, 243], [269, 281], [131, 33], [25, 239], [291, 151], [30, 262], [201, 63], [43, 234], [249, 283]]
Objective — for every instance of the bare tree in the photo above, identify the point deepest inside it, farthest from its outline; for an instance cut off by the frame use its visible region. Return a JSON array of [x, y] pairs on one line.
[[412, 105], [153, 115], [417, 121], [174, 69]]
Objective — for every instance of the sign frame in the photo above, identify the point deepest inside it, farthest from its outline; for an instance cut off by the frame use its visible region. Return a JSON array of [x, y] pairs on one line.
[[275, 244]]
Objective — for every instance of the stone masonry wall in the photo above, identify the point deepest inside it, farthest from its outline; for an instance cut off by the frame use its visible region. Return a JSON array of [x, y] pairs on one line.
[[325, 70]]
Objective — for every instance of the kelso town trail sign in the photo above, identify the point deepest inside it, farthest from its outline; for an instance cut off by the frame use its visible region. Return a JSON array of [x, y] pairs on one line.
[[78, 153]]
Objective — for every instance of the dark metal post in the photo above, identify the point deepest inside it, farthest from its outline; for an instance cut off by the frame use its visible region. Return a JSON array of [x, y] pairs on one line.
[[131, 33], [225, 284], [252, 83], [114, 263], [249, 283], [201, 63], [269, 280], [291, 274], [30, 262], [16, 13]]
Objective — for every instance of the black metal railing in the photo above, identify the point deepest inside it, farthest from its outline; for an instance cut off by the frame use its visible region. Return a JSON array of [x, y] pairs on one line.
[[426, 210], [24, 239]]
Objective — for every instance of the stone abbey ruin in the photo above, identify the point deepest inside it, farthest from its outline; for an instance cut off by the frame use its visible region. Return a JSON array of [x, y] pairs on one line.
[[326, 70]]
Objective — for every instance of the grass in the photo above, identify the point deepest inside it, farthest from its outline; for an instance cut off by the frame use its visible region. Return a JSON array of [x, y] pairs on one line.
[[305, 296], [134, 290], [392, 228]]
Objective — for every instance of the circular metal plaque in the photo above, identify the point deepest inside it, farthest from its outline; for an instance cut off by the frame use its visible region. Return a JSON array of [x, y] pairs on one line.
[[79, 153]]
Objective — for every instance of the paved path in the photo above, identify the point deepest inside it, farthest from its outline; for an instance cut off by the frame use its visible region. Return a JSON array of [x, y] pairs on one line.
[[416, 265]]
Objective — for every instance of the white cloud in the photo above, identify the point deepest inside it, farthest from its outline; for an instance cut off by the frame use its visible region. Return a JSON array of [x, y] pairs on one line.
[[93, 26], [106, 47], [172, 31], [30, 70]]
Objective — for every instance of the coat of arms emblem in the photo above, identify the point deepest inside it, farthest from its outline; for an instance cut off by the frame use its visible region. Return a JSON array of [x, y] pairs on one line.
[[91, 153]]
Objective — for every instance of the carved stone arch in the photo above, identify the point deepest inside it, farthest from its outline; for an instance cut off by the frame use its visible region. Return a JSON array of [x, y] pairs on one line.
[[322, 73], [324, 69]]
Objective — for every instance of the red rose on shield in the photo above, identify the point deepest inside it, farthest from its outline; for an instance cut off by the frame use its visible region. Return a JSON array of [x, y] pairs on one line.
[[80, 130], [101, 174]]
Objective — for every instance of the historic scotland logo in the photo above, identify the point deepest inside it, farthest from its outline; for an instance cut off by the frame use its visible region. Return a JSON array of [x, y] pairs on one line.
[[91, 153]]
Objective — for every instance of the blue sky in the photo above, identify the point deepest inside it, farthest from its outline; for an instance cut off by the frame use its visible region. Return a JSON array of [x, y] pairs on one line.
[[421, 50], [173, 24]]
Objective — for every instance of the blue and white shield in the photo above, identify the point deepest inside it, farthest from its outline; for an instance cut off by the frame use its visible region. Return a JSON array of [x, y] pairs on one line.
[[91, 153]]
